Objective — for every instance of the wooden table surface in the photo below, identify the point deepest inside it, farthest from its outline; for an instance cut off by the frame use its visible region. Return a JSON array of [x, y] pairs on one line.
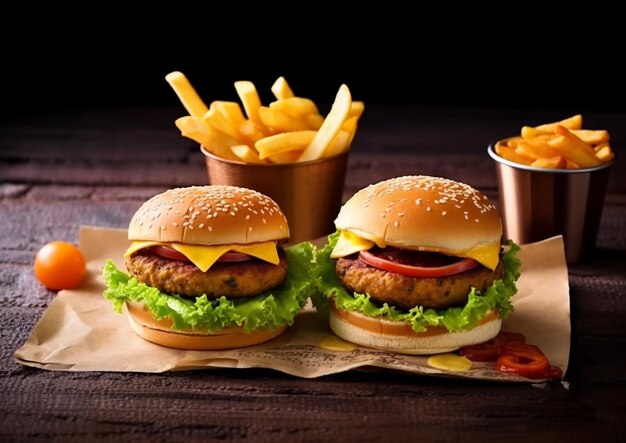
[[95, 167]]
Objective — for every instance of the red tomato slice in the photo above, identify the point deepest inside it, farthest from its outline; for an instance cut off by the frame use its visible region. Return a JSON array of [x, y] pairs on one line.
[[233, 256], [462, 265], [524, 360], [164, 251]]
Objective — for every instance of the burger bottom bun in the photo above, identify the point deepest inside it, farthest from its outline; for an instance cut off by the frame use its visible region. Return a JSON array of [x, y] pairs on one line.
[[160, 333], [376, 332]]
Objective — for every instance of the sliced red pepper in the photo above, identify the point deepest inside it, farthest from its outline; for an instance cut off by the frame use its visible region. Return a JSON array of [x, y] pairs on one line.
[[523, 359], [490, 350], [487, 351], [510, 337]]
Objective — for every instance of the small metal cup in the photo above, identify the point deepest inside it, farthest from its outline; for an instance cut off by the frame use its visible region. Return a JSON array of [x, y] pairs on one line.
[[309, 193], [537, 203]]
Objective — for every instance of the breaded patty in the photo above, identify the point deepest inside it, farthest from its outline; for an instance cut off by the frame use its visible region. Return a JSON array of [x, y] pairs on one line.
[[230, 279], [407, 292]]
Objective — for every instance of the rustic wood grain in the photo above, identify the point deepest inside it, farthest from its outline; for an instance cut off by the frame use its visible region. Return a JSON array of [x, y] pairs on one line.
[[58, 172]]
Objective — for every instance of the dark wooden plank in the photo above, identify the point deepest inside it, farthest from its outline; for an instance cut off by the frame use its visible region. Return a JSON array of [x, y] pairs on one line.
[[60, 171]]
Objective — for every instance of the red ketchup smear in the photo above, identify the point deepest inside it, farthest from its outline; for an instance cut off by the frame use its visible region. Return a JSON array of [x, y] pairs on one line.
[[511, 354]]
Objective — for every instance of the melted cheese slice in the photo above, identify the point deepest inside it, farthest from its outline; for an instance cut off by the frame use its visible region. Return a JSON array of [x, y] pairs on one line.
[[349, 243], [205, 256]]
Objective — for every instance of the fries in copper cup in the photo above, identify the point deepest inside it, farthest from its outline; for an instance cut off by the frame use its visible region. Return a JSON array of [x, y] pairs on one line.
[[559, 145], [289, 130]]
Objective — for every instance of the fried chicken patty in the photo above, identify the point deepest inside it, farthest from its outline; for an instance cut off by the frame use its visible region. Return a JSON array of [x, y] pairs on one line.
[[230, 279], [407, 292]]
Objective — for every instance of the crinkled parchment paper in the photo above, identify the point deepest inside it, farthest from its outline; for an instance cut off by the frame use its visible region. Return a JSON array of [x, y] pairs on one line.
[[80, 331]]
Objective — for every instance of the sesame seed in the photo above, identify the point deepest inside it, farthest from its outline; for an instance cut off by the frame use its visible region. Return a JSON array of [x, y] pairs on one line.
[[201, 225], [210, 228], [163, 228], [248, 217], [428, 209], [396, 224], [249, 228], [476, 220], [400, 214], [264, 221], [443, 212], [190, 227], [232, 213], [175, 224]]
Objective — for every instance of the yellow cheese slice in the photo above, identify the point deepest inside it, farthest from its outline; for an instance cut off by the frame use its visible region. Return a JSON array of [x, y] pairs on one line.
[[349, 243], [486, 255], [205, 256]]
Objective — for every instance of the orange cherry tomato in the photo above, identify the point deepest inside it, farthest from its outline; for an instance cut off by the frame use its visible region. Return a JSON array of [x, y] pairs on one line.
[[60, 265]]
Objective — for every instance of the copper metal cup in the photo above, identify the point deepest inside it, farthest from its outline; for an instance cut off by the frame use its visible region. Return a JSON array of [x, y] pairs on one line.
[[309, 193], [537, 203]]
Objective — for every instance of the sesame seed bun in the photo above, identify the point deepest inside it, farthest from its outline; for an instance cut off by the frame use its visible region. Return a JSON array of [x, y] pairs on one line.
[[209, 215], [422, 213], [160, 332], [419, 213], [379, 333]]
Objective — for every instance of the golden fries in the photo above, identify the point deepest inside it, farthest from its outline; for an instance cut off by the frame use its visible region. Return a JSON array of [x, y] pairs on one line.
[[559, 145], [330, 127], [187, 94], [288, 130]]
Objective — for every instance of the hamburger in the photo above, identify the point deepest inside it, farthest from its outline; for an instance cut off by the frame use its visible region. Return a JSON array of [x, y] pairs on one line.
[[417, 266], [206, 269]]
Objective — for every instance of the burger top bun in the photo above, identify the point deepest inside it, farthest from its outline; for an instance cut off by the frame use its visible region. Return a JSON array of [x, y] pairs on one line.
[[209, 215], [422, 213]]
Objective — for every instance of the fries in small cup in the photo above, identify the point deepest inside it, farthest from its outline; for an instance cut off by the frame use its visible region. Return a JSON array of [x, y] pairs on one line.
[[288, 130]]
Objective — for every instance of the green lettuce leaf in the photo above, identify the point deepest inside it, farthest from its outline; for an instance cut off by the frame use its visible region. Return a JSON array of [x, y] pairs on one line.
[[497, 296], [269, 310]]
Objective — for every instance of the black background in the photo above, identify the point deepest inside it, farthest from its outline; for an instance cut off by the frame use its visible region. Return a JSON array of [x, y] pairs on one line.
[[105, 57]]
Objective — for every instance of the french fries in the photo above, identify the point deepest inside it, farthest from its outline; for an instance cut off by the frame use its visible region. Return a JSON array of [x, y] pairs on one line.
[[559, 145], [288, 130]]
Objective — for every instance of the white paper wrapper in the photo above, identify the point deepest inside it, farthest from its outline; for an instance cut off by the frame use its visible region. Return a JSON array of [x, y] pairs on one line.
[[80, 331]]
